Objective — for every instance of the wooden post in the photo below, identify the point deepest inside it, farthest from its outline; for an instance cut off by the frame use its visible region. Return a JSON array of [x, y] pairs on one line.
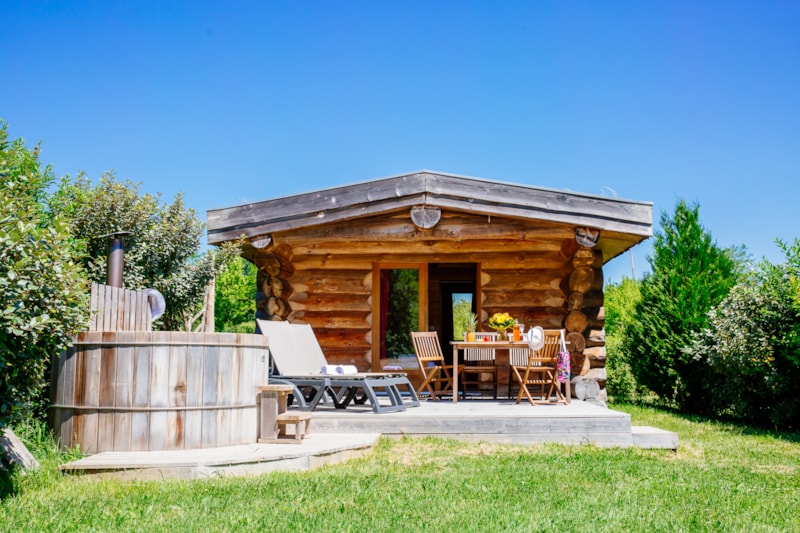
[[210, 302]]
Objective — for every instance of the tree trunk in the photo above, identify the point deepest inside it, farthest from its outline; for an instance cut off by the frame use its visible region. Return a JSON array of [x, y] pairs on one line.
[[272, 286], [578, 364], [276, 306], [583, 257], [211, 293]]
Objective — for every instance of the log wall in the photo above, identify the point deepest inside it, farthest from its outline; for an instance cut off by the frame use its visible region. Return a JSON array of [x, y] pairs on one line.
[[323, 276], [585, 318]]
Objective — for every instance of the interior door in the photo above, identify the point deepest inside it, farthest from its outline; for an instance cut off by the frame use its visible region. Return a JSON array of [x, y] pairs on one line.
[[452, 295], [458, 301]]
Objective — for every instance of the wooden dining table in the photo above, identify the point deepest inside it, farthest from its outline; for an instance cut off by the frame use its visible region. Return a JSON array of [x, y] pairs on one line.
[[502, 361]]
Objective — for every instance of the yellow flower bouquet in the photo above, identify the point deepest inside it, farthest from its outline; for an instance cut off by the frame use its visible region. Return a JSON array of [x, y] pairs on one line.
[[500, 322]]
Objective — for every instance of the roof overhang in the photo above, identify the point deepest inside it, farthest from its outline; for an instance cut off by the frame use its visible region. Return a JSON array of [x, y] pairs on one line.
[[631, 219]]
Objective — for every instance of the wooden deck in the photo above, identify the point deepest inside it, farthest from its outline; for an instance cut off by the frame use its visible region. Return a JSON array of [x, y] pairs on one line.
[[501, 421], [339, 435]]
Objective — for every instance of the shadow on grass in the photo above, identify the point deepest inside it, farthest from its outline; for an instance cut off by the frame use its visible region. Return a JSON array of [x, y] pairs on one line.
[[726, 424], [7, 487], [735, 426]]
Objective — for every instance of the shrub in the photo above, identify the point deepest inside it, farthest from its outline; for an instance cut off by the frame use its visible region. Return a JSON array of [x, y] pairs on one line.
[[163, 252], [752, 348], [620, 303], [43, 290], [235, 306]]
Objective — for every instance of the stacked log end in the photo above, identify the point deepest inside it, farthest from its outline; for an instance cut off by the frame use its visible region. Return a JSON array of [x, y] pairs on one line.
[[584, 322], [273, 288]]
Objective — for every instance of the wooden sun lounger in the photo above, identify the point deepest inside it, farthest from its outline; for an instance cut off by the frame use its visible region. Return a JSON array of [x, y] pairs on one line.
[[299, 359]]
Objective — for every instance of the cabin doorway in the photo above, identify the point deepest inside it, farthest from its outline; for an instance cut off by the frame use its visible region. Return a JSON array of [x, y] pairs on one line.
[[452, 293], [400, 307], [419, 297]]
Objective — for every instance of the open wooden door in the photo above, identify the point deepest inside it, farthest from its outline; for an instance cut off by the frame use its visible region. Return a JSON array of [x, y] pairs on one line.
[[400, 306]]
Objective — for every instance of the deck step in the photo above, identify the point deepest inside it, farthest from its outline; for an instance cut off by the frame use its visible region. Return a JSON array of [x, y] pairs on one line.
[[650, 437], [242, 460]]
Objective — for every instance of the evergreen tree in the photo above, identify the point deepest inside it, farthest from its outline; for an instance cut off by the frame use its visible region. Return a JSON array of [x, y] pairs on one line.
[[689, 275]]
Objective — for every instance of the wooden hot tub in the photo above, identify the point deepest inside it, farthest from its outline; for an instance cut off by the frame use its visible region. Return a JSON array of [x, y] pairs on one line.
[[150, 390]]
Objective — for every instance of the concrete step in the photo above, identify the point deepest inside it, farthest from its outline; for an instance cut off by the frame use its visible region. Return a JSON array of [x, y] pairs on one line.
[[243, 460], [650, 437]]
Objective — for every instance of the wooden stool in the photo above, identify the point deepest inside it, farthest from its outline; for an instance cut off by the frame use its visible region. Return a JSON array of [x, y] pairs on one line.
[[301, 420], [273, 400]]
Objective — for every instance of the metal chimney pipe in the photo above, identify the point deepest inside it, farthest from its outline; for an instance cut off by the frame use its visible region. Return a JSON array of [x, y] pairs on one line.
[[116, 257]]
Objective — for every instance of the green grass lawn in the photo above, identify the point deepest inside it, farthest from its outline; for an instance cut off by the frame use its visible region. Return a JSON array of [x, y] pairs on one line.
[[722, 478]]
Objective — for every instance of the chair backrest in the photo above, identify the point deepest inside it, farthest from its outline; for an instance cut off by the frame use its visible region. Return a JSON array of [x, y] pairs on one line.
[[481, 354], [553, 343], [553, 339], [293, 347], [546, 355], [427, 348]]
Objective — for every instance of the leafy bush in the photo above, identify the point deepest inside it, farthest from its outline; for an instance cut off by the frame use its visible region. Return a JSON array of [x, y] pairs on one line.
[[752, 347], [163, 252], [43, 290], [235, 306], [620, 303], [689, 275]]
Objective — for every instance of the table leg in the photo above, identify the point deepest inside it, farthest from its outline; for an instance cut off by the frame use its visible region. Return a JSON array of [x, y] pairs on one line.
[[283, 402], [455, 374], [502, 363]]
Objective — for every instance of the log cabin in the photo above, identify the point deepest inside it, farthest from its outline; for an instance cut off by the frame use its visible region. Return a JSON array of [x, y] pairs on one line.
[[367, 263]]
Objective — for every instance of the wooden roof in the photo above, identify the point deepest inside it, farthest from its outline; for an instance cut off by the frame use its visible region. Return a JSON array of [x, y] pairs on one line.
[[622, 223]]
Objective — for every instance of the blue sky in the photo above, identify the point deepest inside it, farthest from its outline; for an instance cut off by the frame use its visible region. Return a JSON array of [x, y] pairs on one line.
[[231, 102]]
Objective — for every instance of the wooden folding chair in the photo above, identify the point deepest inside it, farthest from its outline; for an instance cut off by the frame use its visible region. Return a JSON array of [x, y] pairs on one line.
[[478, 362], [432, 364], [540, 372], [518, 357]]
